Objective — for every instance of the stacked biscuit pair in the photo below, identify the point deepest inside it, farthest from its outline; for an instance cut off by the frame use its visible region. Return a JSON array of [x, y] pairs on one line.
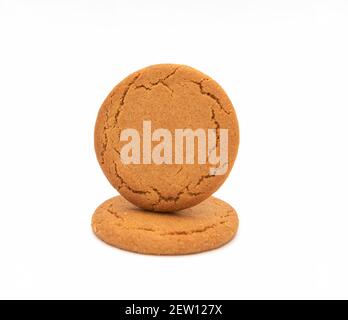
[[166, 138]]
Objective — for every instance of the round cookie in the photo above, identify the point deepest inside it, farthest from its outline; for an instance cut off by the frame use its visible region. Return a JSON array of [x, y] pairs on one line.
[[206, 226], [171, 97]]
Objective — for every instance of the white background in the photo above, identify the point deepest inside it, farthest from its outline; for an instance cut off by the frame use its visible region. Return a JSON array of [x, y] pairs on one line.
[[284, 65]]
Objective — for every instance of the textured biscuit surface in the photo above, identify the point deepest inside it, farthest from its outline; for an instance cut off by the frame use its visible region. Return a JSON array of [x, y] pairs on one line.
[[206, 226], [171, 97]]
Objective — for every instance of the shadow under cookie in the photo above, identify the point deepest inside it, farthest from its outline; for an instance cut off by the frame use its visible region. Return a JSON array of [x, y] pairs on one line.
[[206, 226]]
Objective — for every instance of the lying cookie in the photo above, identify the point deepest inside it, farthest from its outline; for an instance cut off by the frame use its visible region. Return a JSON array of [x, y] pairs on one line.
[[206, 226], [166, 137]]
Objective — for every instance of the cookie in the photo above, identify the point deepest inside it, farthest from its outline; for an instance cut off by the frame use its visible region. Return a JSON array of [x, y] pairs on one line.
[[206, 226], [166, 137]]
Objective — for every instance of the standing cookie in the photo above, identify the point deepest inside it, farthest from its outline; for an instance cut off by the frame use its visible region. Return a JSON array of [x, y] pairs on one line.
[[206, 226], [166, 137]]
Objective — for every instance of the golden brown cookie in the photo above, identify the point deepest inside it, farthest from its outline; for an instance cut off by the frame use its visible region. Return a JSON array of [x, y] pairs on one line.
[[206, 226], [179, 100]]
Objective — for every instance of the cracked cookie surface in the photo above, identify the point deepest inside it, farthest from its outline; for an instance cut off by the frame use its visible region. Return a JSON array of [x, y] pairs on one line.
[[171, 97], [209, 225]]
